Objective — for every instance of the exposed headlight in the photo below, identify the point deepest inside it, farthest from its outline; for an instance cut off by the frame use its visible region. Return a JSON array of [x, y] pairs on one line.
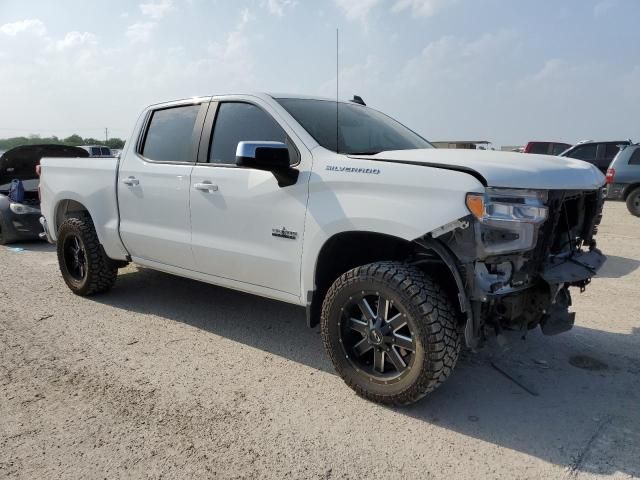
[[20, 209], [508, 218], [508, 205]]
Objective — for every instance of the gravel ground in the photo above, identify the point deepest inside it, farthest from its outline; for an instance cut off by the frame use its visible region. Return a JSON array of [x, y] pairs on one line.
[[167, 377]]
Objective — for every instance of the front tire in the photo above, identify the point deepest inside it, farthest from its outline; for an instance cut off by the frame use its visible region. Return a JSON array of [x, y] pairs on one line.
[[391, 332], [633, 202], [84, 266]]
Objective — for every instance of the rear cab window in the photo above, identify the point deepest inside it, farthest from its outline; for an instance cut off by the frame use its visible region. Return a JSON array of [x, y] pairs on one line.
[[169, 136], [635, 157]]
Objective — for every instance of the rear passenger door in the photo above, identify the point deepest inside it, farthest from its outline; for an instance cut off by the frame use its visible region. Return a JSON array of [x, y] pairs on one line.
[[246, 228], [154, 186]]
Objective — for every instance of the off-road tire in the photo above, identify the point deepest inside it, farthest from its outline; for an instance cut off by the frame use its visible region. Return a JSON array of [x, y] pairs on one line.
[[633, 202], [101, 272], [430, 315]]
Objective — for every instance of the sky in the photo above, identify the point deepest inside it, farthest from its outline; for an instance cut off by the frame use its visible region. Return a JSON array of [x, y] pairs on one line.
[[507, 71]]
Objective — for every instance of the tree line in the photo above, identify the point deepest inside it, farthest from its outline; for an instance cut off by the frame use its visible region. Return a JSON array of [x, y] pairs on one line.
[[74, 140]]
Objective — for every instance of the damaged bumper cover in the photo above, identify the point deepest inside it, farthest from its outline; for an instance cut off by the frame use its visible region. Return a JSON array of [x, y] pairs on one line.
[[518, 254]]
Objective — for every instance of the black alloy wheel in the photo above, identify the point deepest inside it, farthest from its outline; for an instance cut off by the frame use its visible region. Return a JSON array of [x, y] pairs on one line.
[[376, 337], [391, 331], [75, 257]]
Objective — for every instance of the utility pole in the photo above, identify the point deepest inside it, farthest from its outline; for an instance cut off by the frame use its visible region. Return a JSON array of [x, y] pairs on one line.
[[106, 134]]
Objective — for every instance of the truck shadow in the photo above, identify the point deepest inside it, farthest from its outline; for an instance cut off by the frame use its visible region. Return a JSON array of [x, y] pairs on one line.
[[616, 267], [578, 407]]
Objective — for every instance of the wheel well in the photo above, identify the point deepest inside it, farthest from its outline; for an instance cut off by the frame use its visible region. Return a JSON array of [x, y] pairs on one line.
[[630, 189], [344, 251], [66, 209]]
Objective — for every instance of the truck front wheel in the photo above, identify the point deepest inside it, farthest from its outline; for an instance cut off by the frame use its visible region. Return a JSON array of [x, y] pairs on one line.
[[84, 266], [391, 332]]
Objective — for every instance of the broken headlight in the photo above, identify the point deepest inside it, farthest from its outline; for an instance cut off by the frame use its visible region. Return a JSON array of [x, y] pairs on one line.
[[508, 219]]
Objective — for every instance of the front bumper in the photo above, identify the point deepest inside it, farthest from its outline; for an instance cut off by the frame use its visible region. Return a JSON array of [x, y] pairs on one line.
[[21, 227]]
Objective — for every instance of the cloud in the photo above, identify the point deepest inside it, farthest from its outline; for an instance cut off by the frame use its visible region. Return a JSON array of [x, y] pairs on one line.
[[602, 7], [75, 39], [156, 10], [32, 25], [357, 9], [140, 32], [421, 8], [277, 7]]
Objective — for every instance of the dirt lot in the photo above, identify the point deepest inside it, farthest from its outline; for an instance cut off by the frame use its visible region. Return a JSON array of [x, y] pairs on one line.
[[166, 377]]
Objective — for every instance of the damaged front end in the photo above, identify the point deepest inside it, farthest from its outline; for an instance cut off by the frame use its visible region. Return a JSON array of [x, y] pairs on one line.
[[516, 256]]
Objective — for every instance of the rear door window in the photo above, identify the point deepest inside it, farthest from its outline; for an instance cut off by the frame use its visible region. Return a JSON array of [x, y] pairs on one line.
[[169, 137], [585, 152], [95, 151]]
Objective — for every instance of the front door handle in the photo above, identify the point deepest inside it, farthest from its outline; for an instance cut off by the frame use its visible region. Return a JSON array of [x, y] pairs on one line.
[[131, 181], [206, 187]]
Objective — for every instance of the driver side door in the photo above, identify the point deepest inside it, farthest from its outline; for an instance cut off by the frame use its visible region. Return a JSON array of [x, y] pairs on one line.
[[245, 228]]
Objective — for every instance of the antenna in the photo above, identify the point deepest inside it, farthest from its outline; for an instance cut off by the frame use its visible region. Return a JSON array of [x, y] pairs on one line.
[[337, 90]]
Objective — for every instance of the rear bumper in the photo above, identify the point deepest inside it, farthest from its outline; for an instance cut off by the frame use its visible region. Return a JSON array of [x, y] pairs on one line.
[[615, 191]]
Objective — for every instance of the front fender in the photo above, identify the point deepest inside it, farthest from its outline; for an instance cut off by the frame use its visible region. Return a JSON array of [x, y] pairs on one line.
[[404, 201]]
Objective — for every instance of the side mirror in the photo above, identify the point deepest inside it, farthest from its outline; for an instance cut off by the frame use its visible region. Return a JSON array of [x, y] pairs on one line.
[[270, 156]]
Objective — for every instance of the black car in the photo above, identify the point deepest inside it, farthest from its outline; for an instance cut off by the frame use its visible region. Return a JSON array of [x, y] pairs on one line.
[[21, 221], [600, 154]]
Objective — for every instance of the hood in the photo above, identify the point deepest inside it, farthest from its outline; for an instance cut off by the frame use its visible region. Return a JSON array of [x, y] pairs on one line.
[[504, 169], [19, 163]]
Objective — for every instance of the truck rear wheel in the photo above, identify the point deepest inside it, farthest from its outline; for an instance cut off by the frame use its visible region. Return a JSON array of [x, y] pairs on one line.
[[633, 202], [390, 331], [84, 266]]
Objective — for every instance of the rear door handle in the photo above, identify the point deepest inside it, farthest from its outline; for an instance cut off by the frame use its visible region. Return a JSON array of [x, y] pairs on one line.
[[206, 187], [131, 181]]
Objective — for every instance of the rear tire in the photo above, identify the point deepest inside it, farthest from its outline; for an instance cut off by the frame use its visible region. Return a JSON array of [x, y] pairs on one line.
[[633, 202], [84, 266], [405, 346]]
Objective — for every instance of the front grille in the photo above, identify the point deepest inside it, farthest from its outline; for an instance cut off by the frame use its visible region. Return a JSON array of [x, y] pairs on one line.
[[573, 220]]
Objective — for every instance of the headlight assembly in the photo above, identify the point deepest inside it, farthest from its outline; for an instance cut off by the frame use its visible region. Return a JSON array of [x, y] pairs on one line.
[[508, 205], [20, 209], [508, 219]]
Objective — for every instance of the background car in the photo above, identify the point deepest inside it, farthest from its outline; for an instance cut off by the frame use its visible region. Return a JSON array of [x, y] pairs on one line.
[[21, 221], [546, 148], [97, 150], [600, 154], [623, 178]]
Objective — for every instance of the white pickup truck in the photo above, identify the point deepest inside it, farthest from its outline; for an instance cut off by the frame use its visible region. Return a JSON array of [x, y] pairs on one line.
[[400, 251]]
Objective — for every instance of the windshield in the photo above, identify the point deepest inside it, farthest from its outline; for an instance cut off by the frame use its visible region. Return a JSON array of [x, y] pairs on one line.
[[361, 130]]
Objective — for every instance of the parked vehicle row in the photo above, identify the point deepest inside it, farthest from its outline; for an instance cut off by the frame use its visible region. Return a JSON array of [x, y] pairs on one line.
[[20, 211], [400, 251]]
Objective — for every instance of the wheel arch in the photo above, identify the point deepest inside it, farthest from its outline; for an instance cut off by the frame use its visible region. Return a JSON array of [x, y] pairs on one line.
[[344, 251], [630, 188], [65, 209]]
